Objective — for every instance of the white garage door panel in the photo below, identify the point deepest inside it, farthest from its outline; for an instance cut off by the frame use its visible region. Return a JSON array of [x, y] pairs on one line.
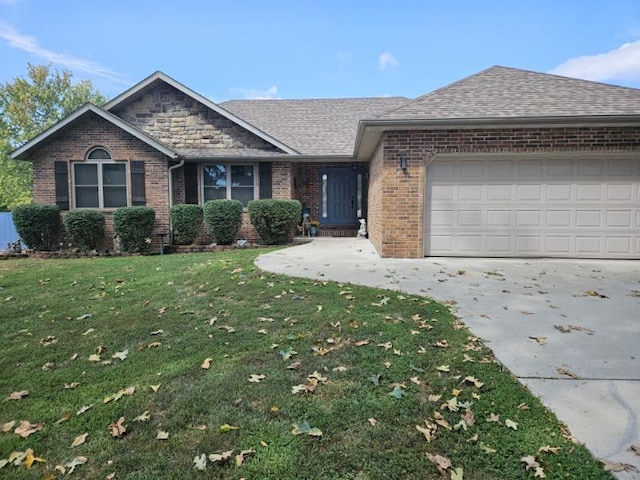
[[587, 208]]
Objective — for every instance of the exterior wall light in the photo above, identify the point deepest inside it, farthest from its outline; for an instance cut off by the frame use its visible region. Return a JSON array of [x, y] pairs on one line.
[[404, 160]]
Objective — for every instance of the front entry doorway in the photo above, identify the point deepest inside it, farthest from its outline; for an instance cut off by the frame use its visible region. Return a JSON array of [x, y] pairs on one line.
[[340, 196]]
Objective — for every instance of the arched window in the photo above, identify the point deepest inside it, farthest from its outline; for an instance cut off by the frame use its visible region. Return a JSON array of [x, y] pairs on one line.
[[99, 182]]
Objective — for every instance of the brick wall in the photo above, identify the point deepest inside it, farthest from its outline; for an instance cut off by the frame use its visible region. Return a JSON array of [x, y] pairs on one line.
[[179, 121], [73, 146], [396, 198]]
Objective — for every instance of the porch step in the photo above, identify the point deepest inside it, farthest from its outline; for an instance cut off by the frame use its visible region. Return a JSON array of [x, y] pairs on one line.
[[337, 232]]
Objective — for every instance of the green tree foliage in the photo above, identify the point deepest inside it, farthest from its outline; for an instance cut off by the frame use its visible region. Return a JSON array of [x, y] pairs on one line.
[[28, 106]]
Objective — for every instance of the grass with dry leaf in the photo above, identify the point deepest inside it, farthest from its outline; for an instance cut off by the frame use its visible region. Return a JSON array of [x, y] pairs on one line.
[[202, 366]]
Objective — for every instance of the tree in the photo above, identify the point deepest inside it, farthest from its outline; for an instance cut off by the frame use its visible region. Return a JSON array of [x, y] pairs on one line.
[[28, 106]]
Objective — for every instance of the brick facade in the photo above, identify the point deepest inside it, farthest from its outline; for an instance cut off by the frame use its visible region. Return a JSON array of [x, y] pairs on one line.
[[74, 144], [396, 198]]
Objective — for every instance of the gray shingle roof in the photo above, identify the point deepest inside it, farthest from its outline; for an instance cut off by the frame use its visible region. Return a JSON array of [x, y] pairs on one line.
[[502, 92], [312, 127]]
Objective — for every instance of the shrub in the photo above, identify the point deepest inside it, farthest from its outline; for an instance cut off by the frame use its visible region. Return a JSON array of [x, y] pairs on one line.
[[222, 219], [85, 228], [186, 221], [39, 226], [275, 220], [134, 227]]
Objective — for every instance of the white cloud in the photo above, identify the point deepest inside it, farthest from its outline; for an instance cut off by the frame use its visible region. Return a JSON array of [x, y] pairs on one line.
[[387, 61], [30, 44], [255, 94], [623, 63]]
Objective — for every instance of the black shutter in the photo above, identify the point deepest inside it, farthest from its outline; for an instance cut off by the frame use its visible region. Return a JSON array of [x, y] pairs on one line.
[[138, 191], [62, 184], [265, 180], [191, 183]]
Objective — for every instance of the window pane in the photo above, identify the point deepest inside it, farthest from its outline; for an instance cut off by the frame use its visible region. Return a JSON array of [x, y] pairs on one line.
[[86, 174], [244, 194], [87, 197], [215, 193], [114, 174], [99, 154], [241, 175], [115, 197], [215, 176]]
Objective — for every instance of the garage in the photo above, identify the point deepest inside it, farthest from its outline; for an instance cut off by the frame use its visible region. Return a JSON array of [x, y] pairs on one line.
[[572, 207]]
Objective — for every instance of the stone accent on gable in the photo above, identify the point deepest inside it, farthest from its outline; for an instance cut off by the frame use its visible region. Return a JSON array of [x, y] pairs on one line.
[[396, 198], [73, 146], [181, 122]]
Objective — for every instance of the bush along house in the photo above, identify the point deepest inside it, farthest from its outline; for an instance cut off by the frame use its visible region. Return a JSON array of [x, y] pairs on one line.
[[504, 163]]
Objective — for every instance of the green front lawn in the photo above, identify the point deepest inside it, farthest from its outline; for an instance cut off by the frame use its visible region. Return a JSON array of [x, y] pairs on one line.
[[305, 380]]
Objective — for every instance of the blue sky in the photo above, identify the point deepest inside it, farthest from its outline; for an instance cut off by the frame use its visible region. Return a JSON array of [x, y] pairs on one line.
[[318, 49]]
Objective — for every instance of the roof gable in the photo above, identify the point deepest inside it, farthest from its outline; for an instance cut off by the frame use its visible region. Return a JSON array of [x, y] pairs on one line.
[[503, 92], [314, 126], [152, 81], [52, 132]]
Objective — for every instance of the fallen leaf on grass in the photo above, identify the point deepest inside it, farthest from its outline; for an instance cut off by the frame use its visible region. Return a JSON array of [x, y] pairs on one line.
[[200, 462], [493, 417], [486, 448], [114, 397], [294, 366], [443, 463], [143, 417], [162, 435], [305, 428], [94, 357], [7, 427], [372, 421], [121, 355], [477, 383], [29, 458], [75, 462], [71, 385], [240, 457], [206, 364], [549, 449], [511, 424], [457, 474], [531, 463], [397, 392], [27, 428], [83, 409], [288, 353], [220, 457], [443, 368], [361, 343], [227, 428], [254, 378], [79, 440], [155, 388], [17, 395], [617, 467], [118, 429], [429, 431]]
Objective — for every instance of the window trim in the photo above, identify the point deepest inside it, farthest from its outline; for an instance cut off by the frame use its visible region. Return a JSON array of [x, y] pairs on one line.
[[99, 163], [229, 186]]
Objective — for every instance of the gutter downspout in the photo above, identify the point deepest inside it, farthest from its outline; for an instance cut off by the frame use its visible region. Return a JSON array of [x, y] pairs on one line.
[[171, 169]]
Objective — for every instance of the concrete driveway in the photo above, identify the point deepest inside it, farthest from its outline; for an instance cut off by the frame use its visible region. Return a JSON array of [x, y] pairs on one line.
[[568, 329]]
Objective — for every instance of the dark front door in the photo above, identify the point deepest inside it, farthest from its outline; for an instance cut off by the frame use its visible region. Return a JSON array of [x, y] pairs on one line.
[[338, 192]]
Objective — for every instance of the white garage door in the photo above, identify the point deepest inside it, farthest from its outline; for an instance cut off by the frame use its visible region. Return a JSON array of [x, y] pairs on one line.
[[583, 208]]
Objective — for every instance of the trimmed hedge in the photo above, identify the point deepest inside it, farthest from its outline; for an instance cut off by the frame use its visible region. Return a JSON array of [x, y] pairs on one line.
[[39, 226], [85, 228], [134, 227], [186, 221], [275, 220], [223, 218]]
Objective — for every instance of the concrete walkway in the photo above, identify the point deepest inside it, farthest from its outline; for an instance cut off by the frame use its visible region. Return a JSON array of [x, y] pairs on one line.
[[584, 316]]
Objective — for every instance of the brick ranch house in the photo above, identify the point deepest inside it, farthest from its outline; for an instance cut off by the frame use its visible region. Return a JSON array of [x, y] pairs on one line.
[[504, 163]]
